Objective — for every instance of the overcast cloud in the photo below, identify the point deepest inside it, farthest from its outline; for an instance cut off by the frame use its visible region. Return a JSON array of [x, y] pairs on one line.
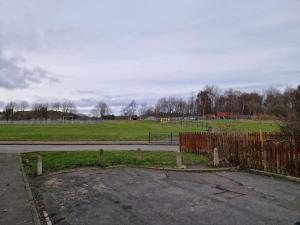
[[14, 76], [115, 50]]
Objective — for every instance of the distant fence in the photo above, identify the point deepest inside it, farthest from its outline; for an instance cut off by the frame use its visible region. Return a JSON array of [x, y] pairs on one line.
[[203, 125], [271, 152], [27, 122], [163, 138]]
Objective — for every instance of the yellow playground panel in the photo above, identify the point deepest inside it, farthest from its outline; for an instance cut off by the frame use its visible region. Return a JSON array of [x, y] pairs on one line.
[[165, 120]]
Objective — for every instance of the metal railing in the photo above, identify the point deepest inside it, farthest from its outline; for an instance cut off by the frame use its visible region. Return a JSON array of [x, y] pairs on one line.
[[167, 138]]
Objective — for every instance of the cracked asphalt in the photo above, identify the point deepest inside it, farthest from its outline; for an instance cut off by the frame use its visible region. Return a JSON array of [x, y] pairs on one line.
[[140, 196]]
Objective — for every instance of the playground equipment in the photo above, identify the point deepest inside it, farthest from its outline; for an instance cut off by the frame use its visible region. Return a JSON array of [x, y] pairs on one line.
[[165, 120]]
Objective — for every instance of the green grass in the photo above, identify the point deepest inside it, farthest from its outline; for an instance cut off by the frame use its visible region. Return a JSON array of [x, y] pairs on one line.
[[54, 161], [245, 125], [118, 130]]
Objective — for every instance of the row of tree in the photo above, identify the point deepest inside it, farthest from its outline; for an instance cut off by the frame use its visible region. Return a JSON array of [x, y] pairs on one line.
[[102, 110], [23, 110], [210, 100]]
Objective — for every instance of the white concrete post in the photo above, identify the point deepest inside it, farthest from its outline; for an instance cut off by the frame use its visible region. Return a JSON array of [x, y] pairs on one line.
[[178, 160], [39, 166], [216, 157]]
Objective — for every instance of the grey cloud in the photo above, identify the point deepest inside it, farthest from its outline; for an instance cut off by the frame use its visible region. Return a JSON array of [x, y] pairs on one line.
[[14, 76], [86, 102], [91, 102], [84, 92], [119, 50], [2, 104], [114, 102]]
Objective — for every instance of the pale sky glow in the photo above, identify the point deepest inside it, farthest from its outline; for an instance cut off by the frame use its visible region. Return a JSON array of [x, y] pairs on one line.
[[116, 50]]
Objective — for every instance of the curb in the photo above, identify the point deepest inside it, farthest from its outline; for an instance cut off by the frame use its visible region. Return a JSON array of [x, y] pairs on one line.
[[86, 143], [208, 170], [34, 213], [269, 174], [75, 143]]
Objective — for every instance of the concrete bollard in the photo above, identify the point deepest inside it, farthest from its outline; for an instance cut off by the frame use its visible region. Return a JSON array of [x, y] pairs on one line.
[[39, 166], [216, 157], [139, 154], [178, 160], [101, 155]]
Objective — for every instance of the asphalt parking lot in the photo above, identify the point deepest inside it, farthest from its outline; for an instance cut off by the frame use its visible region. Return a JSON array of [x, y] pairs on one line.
[[141, 196]]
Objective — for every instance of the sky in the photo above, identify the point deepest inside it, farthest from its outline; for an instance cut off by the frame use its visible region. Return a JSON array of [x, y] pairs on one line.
[[115, 50]]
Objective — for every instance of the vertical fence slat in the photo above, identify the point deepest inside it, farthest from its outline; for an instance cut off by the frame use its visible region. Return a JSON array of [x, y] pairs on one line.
[[277, 153]]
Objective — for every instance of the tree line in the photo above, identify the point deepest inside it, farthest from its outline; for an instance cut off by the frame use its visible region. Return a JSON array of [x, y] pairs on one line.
[[210, 100], [23, 110]]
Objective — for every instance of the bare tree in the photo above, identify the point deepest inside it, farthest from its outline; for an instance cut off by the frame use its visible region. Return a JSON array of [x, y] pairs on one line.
[[130, 109], [94, 113], [40, 110], [56, 106], [142, 108], [250, 103], [204, 103], [232, 101], [68, 107], [101, 110], [171, 106], [191, 105], [9, 110], [213, 94], [274, 103], [161, 106], [23, 105], [297, 101]]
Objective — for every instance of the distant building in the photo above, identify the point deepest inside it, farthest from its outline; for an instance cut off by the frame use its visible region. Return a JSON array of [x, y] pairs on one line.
[[134, 117]]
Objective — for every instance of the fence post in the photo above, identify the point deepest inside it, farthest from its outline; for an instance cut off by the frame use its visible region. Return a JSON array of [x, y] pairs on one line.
[[264, 153], [39, 165], [216, 157], [178, 159], [277, 157], [101, 155], [139, 154], [149, 138], [296, 152], [171, 138]]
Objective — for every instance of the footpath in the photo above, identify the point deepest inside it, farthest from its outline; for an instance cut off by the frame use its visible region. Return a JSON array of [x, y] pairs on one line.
[[16, 202]]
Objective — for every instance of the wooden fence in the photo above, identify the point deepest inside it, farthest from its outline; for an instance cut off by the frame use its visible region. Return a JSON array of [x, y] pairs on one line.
[[271, 152]]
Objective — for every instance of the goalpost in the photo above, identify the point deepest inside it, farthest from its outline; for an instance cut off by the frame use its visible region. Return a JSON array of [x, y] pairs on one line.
[[68, 118]]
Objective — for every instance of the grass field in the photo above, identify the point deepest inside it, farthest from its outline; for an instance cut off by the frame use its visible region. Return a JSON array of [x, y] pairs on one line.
[[54, 161], [118, 130]]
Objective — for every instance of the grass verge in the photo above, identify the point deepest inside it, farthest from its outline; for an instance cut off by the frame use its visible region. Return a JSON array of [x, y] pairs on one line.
[[54, 161]]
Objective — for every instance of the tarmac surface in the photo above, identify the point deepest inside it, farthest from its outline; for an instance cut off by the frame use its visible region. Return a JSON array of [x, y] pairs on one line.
[[141, 196], [11, 148], [15, 205]]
